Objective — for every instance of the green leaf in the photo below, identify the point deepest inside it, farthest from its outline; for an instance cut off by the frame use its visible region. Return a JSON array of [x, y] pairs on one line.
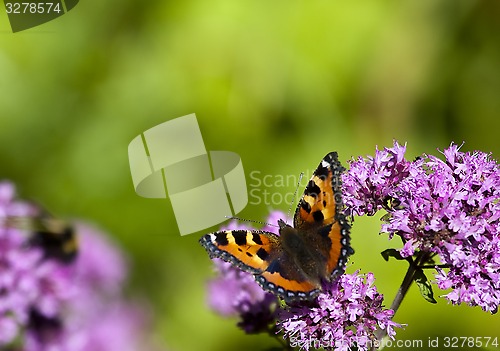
[[386, 217], [424, 286], [391, 253]]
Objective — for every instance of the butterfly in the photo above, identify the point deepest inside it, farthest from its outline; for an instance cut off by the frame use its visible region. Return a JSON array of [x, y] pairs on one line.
[[295, 264]]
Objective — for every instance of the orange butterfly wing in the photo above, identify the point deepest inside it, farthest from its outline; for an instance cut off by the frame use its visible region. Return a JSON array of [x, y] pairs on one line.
[[260, 253], [319, 215], [247, 249]]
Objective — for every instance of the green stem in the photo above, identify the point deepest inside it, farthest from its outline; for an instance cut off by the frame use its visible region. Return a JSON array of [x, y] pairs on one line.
[[403, 289], [286, 346], [435, 266]]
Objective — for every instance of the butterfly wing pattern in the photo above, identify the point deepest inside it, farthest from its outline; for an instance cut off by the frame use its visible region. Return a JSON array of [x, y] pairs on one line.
[[294, 264], [249, 250], [319, 215]]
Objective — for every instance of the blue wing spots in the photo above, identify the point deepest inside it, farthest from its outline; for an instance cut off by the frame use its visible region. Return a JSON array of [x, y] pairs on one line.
[[274, 267]]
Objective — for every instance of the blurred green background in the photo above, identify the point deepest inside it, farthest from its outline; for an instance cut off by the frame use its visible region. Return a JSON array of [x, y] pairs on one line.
[[281, 83]]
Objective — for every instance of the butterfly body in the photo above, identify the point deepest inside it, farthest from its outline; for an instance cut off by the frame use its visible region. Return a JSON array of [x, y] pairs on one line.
[[294, 264], [309, 263]]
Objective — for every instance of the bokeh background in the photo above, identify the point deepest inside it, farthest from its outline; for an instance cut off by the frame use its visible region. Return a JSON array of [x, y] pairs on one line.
[[279, 82]]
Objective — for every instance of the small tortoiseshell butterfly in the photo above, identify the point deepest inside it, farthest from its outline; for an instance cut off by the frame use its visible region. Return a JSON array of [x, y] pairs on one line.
[[294, 264]]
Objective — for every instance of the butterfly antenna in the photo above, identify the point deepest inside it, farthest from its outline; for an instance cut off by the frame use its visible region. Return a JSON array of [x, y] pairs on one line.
[[294, 194], [251, 220]]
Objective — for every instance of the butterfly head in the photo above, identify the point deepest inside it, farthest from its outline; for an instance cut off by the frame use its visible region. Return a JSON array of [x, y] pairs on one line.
[[282, 224]]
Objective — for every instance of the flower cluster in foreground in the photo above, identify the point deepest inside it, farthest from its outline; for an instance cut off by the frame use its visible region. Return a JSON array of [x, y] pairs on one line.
[[236, 293], [449, 208], [46, 304], [346, 314]]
